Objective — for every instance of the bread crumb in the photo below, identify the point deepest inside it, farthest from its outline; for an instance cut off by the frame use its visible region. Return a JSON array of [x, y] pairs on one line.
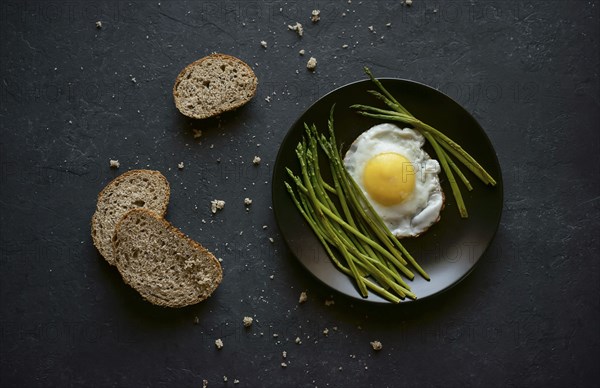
[[256, 160], [247, 201], [180, 165], [225, 378], [271, 240], [298, 340], [216, 204], [329, 302], [371, 29], [408, 2], [283, 365], [303, 297], [376, 345], [284, 354], [326, 331], [275, 335], [311, 64], [204, 383], [315, 15], [98, 24], [344, 46], [268, 99], [247, 321], [263, 43], [219, 343], [196, 320], [197, 133], [114, 164], [298, 28], [272, 277], [301, 52], [388, 25], [236, 381]]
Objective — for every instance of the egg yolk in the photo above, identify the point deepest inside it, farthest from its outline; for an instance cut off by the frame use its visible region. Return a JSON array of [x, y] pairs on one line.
[[389, 178]]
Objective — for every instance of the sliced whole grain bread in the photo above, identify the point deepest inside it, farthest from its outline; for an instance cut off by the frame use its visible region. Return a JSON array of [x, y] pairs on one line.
[[161, 263], [212, 85], [134, 189]]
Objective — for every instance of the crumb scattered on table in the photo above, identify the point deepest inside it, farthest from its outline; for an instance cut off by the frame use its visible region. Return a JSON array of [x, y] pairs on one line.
[[301, 52], [376, 345], [311, 64], [114, 164], [298, 28], [303, 297], [315, 15], [180, 165], [256, 160], [329, 302], [247, 321], [216, 204], [263, 43], [219, 343]]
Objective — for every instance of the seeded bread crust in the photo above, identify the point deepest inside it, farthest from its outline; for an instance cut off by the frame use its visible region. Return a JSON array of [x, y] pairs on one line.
[[136, 188], [213, 85], [165, 266]]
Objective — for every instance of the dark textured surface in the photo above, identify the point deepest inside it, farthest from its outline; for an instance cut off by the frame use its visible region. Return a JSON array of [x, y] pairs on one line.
[[527, 316]]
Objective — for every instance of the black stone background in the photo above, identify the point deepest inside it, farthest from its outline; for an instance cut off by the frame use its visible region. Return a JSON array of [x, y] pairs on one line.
[[527, 316]]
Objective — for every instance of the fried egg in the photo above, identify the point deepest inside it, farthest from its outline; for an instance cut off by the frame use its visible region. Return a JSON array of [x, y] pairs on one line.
[[398, 178]]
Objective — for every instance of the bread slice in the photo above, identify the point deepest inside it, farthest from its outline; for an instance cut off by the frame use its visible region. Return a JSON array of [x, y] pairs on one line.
[[161, 263], [134, 189], [212, 85]]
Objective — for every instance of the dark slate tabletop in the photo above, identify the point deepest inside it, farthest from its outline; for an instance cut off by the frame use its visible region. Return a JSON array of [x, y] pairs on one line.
[[74, 96]]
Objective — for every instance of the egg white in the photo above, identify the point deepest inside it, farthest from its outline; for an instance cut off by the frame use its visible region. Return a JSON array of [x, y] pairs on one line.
[[421, 209]]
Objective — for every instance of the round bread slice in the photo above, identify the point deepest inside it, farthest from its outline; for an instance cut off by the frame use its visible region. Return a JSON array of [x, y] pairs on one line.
[[134, 189], [161, 263], [212, 85]]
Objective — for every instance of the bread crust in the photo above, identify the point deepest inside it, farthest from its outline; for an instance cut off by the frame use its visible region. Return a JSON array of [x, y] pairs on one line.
[[110, 186], [180, 235], [221, 109]]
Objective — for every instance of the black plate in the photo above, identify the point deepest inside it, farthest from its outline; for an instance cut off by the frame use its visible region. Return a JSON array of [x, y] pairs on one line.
[[449, 250]]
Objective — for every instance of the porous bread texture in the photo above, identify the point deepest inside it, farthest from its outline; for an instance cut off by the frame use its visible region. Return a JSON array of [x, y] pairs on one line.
[[212, 85], [161, 263], [134, 189]]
